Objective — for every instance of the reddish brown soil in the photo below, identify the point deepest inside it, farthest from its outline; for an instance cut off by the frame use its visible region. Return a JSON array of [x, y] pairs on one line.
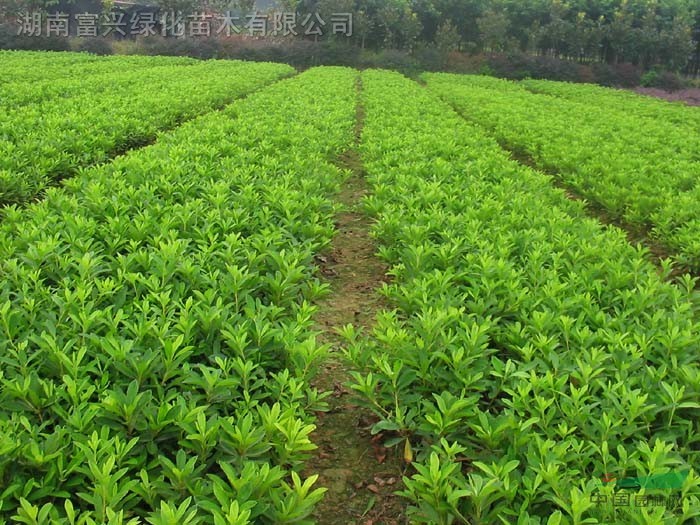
[[690, 96]]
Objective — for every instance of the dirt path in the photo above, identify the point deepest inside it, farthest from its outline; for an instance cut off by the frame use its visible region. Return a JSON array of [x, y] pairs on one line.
[[360, 474]]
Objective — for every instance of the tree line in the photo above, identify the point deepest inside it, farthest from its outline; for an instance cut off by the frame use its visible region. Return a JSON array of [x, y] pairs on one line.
[[646, 33]]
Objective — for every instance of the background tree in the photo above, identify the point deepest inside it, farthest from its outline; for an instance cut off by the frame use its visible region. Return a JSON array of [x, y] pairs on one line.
[[676, 42], [559, 32], [493, 30], [447, 37]]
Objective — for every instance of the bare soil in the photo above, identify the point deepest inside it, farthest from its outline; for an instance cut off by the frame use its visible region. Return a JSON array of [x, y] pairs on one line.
[[690, 96]]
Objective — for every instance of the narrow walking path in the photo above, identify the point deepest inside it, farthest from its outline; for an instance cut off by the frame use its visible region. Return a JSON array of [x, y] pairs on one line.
[[359, 473]]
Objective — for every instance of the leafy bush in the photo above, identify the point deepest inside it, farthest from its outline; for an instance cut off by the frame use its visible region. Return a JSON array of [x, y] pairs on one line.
[[203, 48], [649, 78], [295, 52], [467, 63], [622, 75], [337, 53], [10, 40], [96, 46], [663, 80], [126, 47], [555, 69], [40, 43], [514, 67], [431, 58], [586, 75], [6, 36], [518, 66], [390, 59]]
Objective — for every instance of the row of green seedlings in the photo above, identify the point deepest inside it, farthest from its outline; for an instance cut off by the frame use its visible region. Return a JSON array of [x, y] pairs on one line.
[[156, 322], [37, 66], [631, 103], [56, 138], [638, 170], [93, 78], [530, 351]]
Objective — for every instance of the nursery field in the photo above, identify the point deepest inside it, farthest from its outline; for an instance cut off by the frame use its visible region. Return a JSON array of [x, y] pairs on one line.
[[173, 232]]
